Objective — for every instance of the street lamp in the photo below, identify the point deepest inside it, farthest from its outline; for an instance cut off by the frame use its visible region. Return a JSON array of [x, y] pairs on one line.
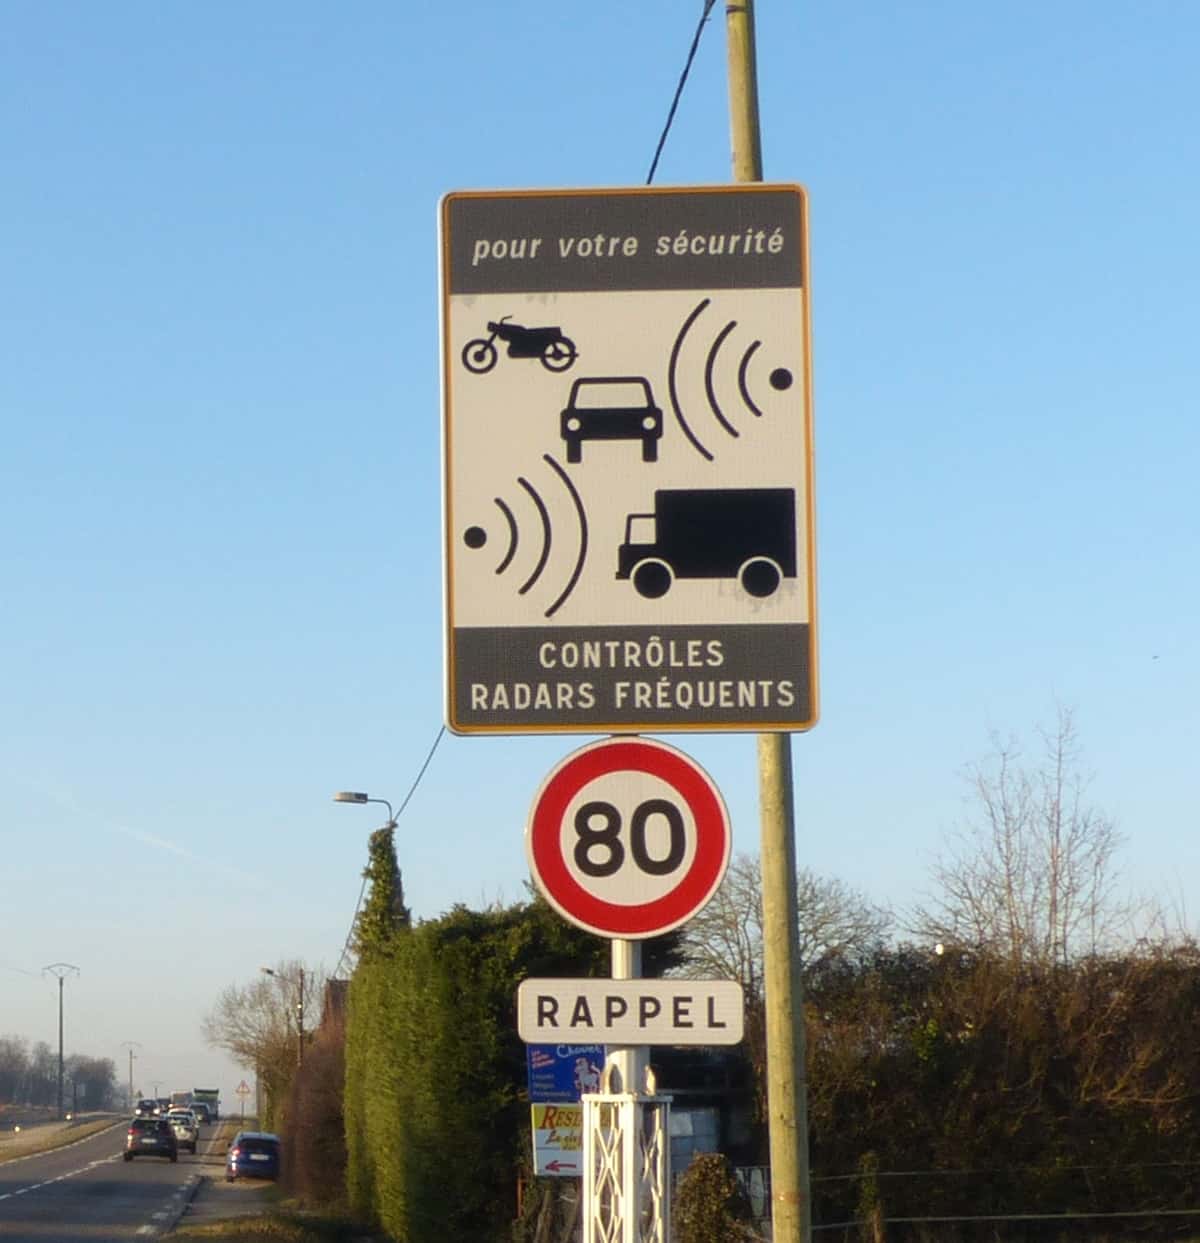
[[299, 1013], [357, 796], [61, 970]]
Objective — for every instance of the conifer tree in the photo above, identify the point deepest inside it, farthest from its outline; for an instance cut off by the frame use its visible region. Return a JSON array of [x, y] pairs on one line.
[[384, 912]]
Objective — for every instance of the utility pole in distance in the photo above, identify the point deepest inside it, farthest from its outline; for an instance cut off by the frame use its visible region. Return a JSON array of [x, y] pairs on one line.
[[787, 1104], [131, 1045], [61, 970], [300, 1022]]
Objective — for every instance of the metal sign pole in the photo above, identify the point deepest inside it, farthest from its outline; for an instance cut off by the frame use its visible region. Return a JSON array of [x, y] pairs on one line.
[[626, 1140], [630, 1062]]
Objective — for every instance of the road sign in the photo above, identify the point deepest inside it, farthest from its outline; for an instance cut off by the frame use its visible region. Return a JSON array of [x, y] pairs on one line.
[[561, 1073], [628, 460], [632, 1012], [243, 1088], [557, 1140], [628, 838]]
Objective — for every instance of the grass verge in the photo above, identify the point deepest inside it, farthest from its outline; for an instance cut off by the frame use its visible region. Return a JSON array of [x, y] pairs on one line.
[[34, 1141]]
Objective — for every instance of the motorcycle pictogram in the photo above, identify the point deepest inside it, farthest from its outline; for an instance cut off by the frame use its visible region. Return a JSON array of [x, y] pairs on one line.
[[556, 351]]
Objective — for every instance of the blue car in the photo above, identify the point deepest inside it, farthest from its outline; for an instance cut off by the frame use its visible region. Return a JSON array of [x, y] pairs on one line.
[[253, 1154]]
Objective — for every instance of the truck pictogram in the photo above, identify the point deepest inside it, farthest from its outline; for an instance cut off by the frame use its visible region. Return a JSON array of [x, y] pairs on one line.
[[744, 533]]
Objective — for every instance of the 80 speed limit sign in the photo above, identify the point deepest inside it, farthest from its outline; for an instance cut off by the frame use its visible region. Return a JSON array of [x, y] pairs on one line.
[[628, 838]]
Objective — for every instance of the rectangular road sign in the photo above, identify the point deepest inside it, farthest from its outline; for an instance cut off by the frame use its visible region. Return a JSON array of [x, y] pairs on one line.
[[557, 1140], [561, 1073], [628, 460], [631, 1012]]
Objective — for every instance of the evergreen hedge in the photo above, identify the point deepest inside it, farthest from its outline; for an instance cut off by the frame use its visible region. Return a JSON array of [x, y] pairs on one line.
[[436, 1118]]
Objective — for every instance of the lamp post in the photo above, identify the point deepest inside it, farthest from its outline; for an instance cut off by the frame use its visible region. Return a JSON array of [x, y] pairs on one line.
[[61, 970], [131, 1045], [299, 1013], [357, 796]]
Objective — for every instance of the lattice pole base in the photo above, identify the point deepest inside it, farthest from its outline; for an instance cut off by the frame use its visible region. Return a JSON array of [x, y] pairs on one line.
[[626, 1167]]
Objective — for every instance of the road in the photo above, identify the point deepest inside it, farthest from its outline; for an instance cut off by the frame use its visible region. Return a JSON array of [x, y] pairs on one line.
[[85, 1192]]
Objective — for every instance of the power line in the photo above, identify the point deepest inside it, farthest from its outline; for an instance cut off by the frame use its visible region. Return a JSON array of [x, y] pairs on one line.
[[691, 56], [1010, 1169], [362, 889], [1145, 1212], [417, 780], [337, 971], [37, 975]]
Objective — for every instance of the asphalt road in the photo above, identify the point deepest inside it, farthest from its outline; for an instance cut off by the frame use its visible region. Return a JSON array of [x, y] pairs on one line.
[[85, 1192]]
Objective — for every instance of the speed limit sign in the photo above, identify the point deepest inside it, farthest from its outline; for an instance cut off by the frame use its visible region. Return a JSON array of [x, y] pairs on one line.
[[628, 838]]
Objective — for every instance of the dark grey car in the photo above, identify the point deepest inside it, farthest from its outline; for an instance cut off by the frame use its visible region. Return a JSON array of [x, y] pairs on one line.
[[151, 1137]]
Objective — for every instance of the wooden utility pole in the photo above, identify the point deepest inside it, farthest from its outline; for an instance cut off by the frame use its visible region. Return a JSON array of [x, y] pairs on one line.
[[787, 1104]]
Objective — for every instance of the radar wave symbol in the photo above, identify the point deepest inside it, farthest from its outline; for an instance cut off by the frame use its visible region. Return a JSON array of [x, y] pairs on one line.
[[779, 379], [476, 537]]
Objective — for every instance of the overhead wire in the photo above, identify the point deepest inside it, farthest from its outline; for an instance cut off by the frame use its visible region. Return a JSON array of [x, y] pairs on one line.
[[362, 889], [683, 77]]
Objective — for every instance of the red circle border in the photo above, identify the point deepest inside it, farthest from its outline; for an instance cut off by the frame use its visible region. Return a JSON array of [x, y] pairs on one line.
[[646, 919]]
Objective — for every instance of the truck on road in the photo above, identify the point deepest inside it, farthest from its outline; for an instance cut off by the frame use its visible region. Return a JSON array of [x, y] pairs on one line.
[[748, 534], [210, 1097]]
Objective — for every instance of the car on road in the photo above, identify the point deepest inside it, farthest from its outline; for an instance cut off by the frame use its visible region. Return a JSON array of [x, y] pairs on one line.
[[164, 1105], [151, 1137], [200, 1109], [253, 1154], [186, 1127], [611, 408], [145, 1108]]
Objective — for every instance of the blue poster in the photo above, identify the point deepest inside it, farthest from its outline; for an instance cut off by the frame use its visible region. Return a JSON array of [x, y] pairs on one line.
[[561, 1073]]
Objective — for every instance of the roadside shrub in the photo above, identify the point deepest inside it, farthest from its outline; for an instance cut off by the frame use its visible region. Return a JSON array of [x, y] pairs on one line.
[[434, 1065], [316, 1142], [710, 1205]]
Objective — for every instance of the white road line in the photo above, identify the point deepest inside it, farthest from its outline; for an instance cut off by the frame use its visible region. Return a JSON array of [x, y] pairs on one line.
[[29, 1156], [49, 1182]]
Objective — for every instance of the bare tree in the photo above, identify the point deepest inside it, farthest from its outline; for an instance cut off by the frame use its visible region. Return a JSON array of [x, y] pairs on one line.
[[14, 1068], [1030, 874], [255, 1023], [726, 938], [93, 1081]]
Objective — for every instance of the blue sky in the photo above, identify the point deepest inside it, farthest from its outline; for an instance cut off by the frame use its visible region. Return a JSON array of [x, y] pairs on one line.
[[220, 489]]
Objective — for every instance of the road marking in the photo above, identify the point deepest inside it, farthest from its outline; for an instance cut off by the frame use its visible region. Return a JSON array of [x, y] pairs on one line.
[[29, 1156], [83, 1169]]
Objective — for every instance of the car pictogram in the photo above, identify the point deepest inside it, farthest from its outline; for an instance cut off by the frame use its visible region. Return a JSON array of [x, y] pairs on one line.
[[611, 408]]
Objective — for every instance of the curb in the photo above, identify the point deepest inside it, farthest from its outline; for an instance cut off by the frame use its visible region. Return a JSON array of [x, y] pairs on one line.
[[189, 1189]]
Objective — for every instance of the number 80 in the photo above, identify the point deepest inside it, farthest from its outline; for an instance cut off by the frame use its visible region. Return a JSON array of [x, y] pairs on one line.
[[608, 837]]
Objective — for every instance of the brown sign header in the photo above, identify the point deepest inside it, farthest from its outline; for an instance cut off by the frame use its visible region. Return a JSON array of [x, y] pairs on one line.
[[712, 238]]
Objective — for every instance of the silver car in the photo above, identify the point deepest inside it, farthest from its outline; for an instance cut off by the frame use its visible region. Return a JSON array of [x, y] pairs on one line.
[[186, 1127]]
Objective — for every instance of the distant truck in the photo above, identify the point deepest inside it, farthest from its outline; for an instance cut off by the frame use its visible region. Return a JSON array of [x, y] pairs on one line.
[[744, 533], [210, 1097], [180, 1100]]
